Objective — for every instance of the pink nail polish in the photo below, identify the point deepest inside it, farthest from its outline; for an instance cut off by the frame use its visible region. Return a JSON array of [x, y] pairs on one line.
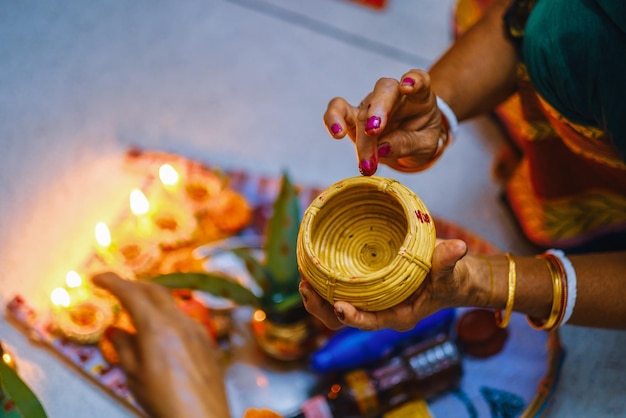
[[335, 128], [372, 123], [384, 150], [367, 167], [408, 81]]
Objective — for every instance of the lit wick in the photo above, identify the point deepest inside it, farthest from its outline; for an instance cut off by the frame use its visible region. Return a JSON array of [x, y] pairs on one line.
[[103, 239], [103, 235], [7, 358], [140, 206], [73, 279], [76, 286], [60, 298], [139, 203], [169, 178]]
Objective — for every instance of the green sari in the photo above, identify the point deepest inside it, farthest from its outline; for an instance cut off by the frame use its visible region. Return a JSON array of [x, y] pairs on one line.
[[568, 120]]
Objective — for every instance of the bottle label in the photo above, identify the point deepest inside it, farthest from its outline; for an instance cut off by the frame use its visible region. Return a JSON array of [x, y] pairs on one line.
[[363, 391], [434, 360], [316, 407]]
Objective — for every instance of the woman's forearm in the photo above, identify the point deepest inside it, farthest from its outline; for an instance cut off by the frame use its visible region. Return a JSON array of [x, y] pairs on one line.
[[600, 290], [479, 71], [599, 287]]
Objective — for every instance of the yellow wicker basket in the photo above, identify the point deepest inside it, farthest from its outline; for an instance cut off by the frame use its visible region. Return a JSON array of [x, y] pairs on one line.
[[366, 240]]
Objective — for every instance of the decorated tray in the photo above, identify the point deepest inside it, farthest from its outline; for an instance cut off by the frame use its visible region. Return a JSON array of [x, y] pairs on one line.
[[517, 381]]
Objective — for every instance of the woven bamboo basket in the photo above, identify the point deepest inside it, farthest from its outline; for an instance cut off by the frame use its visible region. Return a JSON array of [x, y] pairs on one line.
[[366, 240]]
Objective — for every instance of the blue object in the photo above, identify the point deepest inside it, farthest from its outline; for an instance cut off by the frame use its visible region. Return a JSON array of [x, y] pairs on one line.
[[351, 348]]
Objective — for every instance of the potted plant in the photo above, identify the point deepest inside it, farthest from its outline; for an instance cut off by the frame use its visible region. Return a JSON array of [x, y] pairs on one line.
[[280, 324]]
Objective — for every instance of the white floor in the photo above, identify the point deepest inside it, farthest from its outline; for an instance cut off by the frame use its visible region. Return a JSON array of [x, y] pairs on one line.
[[236, 83]]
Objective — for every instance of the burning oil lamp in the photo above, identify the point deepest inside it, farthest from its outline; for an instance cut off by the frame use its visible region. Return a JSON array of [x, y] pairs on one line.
[[78, 319]]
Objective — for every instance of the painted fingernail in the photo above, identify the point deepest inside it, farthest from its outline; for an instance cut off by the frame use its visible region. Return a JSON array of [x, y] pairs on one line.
[[339, 314], [372, 123], [367, 167], [408, 81], [336, 128], [383, 150]]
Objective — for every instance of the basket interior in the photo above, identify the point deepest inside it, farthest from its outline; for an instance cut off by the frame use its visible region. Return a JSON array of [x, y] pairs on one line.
[[360, 230]]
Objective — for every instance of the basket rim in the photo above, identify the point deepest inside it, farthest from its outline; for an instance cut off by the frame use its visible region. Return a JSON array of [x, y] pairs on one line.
[[404, 196]]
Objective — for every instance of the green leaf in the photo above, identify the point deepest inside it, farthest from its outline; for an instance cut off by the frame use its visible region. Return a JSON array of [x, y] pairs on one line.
[[26, 403], [283, 226], [288, 303], [217, 284], [259, 273]]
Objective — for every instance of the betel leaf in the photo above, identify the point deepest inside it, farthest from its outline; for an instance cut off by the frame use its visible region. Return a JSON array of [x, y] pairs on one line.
[[23, 401], [283, 226], [216, 284]]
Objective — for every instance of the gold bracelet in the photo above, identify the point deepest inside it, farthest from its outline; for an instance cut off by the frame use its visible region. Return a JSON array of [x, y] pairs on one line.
[[559, 295], [503, 321], [492, 281]]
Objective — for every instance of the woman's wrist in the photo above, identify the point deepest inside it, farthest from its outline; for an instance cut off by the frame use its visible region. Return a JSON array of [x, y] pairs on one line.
[[479, 284], [487, 284]]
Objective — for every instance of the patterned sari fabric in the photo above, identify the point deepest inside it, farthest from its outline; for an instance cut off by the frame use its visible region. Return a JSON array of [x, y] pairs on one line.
[[569, 188]]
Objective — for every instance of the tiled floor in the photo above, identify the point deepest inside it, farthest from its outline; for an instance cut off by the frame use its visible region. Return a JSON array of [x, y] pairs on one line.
[[237, 83]]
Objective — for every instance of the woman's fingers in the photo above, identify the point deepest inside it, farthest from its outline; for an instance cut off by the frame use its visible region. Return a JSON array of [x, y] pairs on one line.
[[125, 345], [318, 306], [401, 317], [415, 84], [145, 302], [397, 124], [437, 292], [446, 254], [372, 120], [408, 148], [340, 118]]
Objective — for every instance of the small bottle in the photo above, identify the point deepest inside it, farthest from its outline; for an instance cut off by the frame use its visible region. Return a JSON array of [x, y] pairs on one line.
[[423, 370], [352, 348]]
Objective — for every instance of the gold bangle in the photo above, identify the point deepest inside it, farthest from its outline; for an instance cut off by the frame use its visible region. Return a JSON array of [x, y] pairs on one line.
[[559, 295], [492, 281], [503, 320]]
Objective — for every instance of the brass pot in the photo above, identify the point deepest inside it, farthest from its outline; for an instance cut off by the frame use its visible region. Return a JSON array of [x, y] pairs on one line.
[[287, 336]]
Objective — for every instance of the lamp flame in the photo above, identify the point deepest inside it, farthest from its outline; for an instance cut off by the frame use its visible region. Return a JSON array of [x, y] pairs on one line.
[[60, 297], [103, 235], [73, 279], [139, 204], [6, 357], [168, 175]]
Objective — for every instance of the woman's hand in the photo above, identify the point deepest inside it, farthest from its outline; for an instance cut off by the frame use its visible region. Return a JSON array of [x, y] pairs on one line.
[[398, 124], [446, 286], [171, 362]]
